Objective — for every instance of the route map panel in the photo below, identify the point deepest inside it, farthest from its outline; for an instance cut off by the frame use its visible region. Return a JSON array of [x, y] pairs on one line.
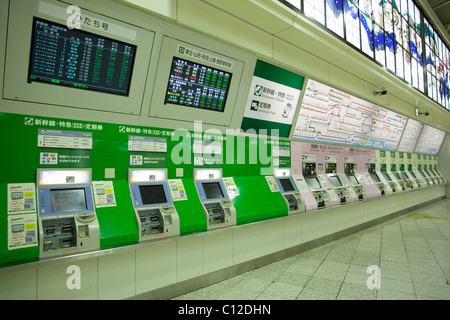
[[430, 141], [333, 116], [410, 136]]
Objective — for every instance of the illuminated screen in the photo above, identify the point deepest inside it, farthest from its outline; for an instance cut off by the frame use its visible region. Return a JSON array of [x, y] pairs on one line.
[[397, 176], [375, 177], [287, 185], [335, 181], [353, 179], [313, 183], [413, 174], [64, 200], [79, 59], [212, 190], [152, 194], [198, 86], [388, 178]]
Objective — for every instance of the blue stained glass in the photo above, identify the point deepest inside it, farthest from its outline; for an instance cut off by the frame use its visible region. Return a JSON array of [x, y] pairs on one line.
[[336, 7], [444, 90], [351, 10]]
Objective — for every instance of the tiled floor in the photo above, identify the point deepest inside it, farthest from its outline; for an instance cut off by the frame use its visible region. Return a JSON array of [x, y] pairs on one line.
[[412, 254]]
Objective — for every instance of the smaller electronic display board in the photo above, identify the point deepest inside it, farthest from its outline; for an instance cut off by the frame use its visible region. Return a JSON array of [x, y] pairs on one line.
[[195, 85]]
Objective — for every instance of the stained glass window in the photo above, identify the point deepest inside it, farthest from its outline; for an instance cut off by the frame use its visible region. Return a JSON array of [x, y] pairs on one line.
[[335, 17], [389, 32]]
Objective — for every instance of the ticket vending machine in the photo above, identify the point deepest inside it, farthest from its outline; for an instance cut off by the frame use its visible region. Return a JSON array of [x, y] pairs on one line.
[[356, 181], [292, 197], [396, 174], [420, 183], [415, 169], [67, 219], [414, 172], [432, 167], [436, 170], [321, 195], [395, 187], [155, 213], [436, 179], [402, 167], [424, 174], [423, 168], [217, 206], [407, 178], [379, 179], [338, 182]]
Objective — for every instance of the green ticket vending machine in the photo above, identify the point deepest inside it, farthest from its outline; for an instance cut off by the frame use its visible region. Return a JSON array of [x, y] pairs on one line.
[[217, 206], [67, 217], [154, 209], [389, 178], [288, 189], [410, 183]]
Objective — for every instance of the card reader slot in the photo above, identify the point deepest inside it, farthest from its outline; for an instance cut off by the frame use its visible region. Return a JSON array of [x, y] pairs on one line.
[[66, 229], [49, 231], [151, 221]]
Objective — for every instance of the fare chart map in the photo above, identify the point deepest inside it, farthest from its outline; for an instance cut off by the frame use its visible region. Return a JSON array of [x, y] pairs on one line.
[[329, 115], [410, 136], [430, 140]]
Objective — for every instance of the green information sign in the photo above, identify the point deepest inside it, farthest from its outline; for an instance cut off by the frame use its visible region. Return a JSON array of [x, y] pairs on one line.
[[272, 100]]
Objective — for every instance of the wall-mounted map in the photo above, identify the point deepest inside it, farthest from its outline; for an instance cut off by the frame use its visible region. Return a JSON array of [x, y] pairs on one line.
[[410, 136], [430, 140], [330, 115]]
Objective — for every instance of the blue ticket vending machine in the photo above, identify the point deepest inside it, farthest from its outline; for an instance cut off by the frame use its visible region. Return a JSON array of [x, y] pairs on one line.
[[67, 218]]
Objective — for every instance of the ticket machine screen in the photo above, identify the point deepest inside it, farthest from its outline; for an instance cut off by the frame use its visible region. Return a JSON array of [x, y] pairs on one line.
[[336, 181], [152, 194], [212, 190], [353, 179], [66, 200], [387, 177], [313, 182], [287, 185]]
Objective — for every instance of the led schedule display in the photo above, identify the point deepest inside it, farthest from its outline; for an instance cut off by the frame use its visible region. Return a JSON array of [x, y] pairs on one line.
[[198, 86], [79, 59]]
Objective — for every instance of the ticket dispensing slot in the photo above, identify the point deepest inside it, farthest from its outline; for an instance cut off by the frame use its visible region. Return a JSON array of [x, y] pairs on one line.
[[218, 209], [336, 181], [292, 197], [67, 218], [155, 213], [320, 194], [381, 186]]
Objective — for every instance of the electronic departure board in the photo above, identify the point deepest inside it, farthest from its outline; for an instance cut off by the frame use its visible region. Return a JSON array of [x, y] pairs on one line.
[[79, 59], [195, 85]]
